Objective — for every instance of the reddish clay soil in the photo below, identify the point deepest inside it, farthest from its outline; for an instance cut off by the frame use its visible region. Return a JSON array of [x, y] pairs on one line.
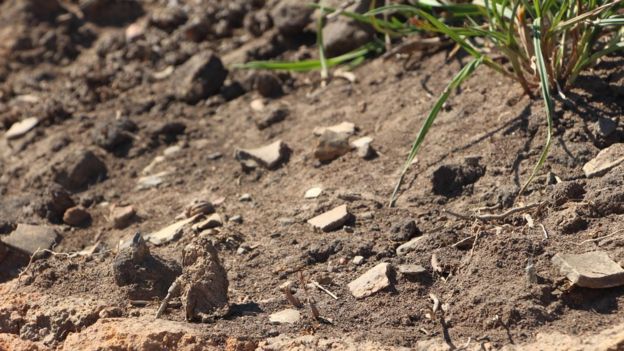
[[115, 100]]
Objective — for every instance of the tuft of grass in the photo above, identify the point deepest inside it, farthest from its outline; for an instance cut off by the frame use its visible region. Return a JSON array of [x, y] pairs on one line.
[[543, 45]]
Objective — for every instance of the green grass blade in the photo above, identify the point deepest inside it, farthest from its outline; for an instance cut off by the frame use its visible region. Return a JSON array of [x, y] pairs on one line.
[[310, 65], [545, 90], [321, 46], [461, 76]]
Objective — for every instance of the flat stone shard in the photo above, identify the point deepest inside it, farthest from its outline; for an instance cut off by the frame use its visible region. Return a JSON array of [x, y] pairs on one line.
[[412, 270], [169, 233], [332, 145], [409, 246], [287, 316], [28, 238], [374, 280], [22, 127], [269, 156], [605, 160], [347, 128], [363, 147], [590, 270], [313, 193], [331, 220]]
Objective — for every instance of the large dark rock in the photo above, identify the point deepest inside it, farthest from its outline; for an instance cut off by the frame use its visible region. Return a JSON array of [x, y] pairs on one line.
[[79, 170], [199, 77], [146, 276], [290, 17]]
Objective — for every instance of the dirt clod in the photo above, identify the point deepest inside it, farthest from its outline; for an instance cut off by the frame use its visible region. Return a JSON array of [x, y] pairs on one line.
[[145, 276], [204, 282]]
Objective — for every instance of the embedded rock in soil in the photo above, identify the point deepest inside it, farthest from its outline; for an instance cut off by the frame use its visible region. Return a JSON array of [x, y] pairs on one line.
[[53, 202], [122, 216], [566, 191], [80, 169], [269, 156], [143, 333], [374, 280], [412, 270], [290, 17], [76, 216], [404, 231], [204, 282], [287, 316], [331, 220], [198, 207], [272, 117], [213, 221], [20, 128], [363, 147], [145, 275], [450, 180], [570, 221], [199, 77], [169, 18], [343, 35], [590, 270], [606, 159], [321, 251], [115, 136], [332, 145], [267, 84], [313, 193], [409, 246], [111, 12], [28, 238]]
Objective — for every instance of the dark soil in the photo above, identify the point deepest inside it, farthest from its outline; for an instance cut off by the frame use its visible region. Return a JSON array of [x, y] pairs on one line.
[[106, 110]]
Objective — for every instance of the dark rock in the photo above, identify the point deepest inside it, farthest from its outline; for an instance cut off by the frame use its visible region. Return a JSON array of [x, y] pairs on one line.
[[450, 180], [111, 12], [29, 238], [196, 29], [275, 115], [332, 145], [344, 35], [168, 18], [168, 132], [404, 231], [46, 10], [115, 136], [268, 84], [290, 17], [199, 77], [54, 201], [79, 170], [76, 216], [145, 275], [232, 91], [320, 252]]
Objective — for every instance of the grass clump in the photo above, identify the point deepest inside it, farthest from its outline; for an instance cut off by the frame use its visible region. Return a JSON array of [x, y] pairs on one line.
[[543, 45]]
